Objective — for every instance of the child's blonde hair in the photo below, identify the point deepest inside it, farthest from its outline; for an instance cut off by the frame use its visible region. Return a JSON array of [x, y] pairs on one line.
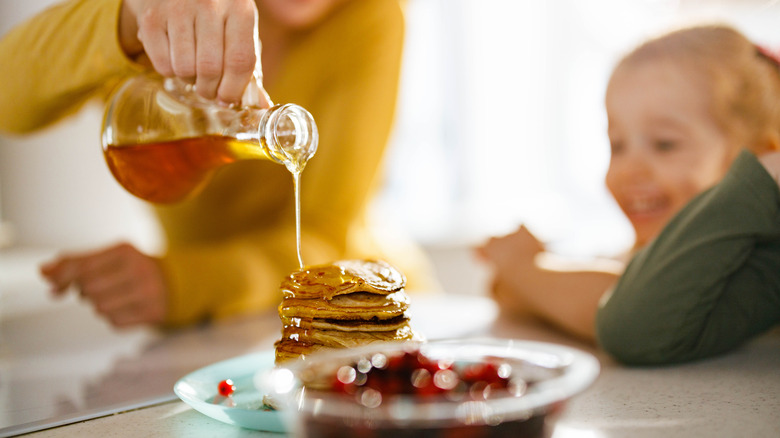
[[742, 78]]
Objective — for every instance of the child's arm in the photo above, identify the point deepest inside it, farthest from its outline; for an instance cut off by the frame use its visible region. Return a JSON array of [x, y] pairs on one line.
[[566, 297]]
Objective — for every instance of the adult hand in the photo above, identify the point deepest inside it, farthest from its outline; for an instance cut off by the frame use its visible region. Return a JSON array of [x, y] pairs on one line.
[[211, 43], [125, 285]]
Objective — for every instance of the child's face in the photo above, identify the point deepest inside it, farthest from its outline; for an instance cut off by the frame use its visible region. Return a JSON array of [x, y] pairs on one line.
[[666, 146]]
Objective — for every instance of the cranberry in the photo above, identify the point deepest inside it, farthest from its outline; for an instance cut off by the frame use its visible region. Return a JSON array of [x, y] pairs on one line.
[[226, 387], [405, 362], [413, 373], [487, 372], [388, 381]]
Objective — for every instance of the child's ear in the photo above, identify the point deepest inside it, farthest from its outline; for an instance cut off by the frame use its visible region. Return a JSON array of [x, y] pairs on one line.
[[771, 143]]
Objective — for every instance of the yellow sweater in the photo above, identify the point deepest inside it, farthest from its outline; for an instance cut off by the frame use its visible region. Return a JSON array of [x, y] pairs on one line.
[[231, 245]]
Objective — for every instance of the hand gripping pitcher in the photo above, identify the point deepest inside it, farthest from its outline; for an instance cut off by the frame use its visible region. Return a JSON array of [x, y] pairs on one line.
[[162, 141]]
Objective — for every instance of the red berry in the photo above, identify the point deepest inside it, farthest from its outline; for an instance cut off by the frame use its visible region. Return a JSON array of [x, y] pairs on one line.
[[412, 372], [226, 387], [482, 372]]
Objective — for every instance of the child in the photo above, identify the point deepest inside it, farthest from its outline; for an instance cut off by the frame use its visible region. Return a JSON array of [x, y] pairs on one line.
[[680, 110]]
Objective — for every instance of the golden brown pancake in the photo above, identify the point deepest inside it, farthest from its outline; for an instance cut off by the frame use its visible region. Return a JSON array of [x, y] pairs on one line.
[[356, 305], [371, 325], [296, 344], [340, 339], [340, 305], [343, 277]]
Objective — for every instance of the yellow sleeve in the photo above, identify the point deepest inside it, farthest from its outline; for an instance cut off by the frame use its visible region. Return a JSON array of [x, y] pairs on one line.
[[346, 73], [56, 61], [235, 276]]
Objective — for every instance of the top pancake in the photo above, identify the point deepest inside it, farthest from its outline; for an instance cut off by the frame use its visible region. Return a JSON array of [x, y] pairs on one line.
[[343, 277]]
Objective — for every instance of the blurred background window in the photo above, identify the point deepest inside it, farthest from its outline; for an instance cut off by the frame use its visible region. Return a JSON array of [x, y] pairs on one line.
[[500, 122], [501, 117]]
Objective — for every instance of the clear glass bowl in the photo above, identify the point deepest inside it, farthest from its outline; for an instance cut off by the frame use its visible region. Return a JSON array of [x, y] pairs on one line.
[[553, 374]]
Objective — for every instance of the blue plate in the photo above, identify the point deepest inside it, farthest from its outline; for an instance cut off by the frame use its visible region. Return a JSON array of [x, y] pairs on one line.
[[199, 390]]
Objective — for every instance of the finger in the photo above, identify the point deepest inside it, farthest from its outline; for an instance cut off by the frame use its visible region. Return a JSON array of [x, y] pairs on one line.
[[489, 248], [209, 52], [64, 271], [99, 263], [51, 270], [84, 268], [152, 32], [493, 289], [68, 269], [485, 251], [136, 294], [134, 314], [181, 35], [240, 57], [117, 302], [124, 316], [60, 274], [48, 269], [104, 285], [265, 99], [109, 269]]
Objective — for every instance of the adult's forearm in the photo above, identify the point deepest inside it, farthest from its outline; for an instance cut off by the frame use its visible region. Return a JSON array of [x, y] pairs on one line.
[[58, 60]]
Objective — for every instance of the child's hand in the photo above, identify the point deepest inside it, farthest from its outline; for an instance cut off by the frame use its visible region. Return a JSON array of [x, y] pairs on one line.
[[511, 251], [511, 259], [212, 44], [125, 285], [510, 299]]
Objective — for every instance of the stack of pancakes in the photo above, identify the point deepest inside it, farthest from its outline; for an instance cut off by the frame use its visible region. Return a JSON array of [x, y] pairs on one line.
[[343, 304]]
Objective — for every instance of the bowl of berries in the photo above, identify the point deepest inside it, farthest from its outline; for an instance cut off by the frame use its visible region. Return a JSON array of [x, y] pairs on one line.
[[444, 388]]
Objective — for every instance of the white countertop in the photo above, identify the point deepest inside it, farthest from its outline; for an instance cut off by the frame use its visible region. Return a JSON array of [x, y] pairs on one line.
[[58, 361]]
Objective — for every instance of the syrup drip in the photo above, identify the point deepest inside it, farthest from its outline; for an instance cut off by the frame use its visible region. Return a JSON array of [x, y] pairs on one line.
[[288, 151], [297, 188]]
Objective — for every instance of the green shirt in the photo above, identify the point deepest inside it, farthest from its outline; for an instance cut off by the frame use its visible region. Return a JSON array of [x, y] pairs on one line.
[[708, 283]]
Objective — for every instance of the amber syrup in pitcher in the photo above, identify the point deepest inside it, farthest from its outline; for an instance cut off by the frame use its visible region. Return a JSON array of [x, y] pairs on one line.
[[172, 171]]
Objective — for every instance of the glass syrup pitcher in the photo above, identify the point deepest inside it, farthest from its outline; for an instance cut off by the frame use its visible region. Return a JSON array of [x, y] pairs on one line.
[[162, 141]]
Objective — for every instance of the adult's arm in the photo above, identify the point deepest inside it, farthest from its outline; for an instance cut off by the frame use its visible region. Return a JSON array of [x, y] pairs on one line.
[[57, 60], [708, 283]]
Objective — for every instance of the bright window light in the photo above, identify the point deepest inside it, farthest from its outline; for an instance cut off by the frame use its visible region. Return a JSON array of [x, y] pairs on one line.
[[501, 118]]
